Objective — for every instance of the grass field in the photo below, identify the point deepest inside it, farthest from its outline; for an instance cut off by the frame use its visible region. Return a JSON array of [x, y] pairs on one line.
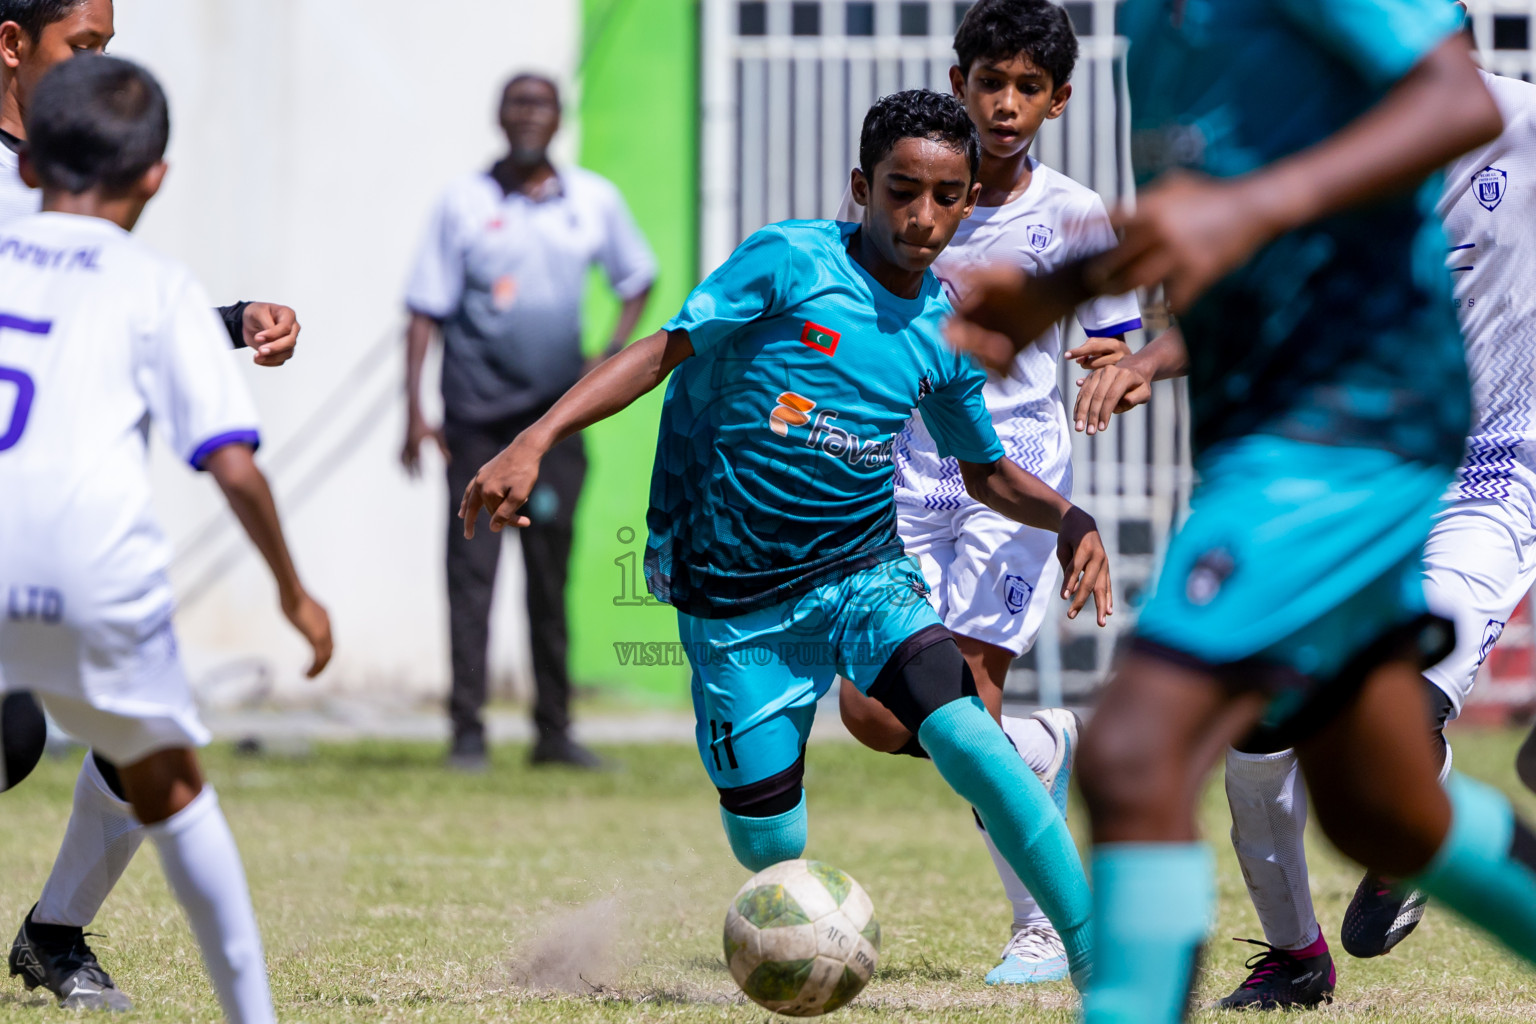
[[391, 890]]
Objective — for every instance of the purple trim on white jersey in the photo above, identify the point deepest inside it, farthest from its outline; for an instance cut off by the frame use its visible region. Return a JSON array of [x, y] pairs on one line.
[[218, 441], [1113, 329]]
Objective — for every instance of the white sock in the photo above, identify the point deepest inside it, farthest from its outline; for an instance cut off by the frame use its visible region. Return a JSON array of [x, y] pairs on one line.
[[1025, 910], [1269, 816], [1032, 740], [100, 840], [203, 866]]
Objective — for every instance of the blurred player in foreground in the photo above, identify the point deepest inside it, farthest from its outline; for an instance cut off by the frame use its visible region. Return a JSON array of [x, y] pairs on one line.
[[772, 519], [1325, 432], [1479, 563], [50, 948], [99, 336], [991, 578]]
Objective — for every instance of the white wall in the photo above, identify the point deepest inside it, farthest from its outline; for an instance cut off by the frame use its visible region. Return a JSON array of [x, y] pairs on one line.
[[309, 139]]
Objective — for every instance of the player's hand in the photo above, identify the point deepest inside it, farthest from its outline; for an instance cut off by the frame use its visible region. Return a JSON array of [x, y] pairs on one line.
[[1097, 353], [310, 618], [1187, 231], [1004, 310], [1086, 564], [416, 432], [1110, 390], [502, 487], [271, 331]]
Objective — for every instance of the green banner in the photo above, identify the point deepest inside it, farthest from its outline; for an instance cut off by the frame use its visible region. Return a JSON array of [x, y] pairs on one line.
[[639, 129]]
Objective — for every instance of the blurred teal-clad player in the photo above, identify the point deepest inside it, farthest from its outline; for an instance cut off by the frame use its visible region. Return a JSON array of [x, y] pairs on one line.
[[1293, 143], [772, 518]]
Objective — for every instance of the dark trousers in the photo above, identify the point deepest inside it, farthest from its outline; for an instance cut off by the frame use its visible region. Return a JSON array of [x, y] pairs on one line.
[[472, 574]]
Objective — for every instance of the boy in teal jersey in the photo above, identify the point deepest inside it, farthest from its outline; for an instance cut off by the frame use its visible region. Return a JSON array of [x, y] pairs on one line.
[[773, 528], [1329, 394]]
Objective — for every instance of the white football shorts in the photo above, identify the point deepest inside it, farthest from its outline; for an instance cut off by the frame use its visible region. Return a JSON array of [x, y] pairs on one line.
[[1479, 563], [126, 701], [991, 578]]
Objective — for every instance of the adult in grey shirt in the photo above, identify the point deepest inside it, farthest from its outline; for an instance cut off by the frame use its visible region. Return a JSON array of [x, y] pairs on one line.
[[500, 276]]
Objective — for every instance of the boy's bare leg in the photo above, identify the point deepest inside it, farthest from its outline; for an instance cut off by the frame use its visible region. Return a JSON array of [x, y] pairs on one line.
[[1158, 731], [1374, 776]]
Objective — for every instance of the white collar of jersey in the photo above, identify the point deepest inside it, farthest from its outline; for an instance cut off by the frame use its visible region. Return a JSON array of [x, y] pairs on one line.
[[1036, 171]]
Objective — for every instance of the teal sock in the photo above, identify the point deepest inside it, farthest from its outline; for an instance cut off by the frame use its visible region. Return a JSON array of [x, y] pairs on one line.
[[1486, 868], [1151, 911], [976, 759], [762, 842]]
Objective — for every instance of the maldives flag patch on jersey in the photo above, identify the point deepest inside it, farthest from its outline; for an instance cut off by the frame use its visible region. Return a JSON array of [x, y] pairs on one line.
[[820, 338]]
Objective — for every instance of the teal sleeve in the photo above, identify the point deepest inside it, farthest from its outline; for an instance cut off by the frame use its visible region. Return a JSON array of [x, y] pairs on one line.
[[1381, 39], [957, 417], [748, 285]]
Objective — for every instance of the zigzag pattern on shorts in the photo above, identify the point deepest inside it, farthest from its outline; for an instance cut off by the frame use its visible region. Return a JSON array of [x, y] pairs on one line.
[[949, 494], [1503, 407], [1488, 465]]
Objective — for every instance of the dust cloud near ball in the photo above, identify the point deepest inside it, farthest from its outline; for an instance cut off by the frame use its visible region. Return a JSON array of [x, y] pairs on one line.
[[575, 951], [801, 938]]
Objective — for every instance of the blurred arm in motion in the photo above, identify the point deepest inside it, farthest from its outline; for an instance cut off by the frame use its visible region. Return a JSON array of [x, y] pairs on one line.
[[1188, 230], [502, 486]]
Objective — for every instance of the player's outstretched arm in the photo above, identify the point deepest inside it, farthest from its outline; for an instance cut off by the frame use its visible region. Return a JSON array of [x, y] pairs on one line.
[[502, 486], [1005, 488], [1123, 386], [1189, 231], [249, 497]]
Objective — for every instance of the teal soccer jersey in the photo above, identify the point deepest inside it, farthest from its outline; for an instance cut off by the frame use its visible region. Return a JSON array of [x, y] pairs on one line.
[[1341, 332], [773, 469]]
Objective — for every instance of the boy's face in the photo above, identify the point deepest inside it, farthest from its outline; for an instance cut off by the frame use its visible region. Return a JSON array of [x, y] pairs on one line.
[[920, 194], [1009, 100], [530, 116], [86, 28]]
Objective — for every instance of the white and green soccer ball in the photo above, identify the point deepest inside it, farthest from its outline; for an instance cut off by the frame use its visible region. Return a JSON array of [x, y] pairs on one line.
[[801, 938]]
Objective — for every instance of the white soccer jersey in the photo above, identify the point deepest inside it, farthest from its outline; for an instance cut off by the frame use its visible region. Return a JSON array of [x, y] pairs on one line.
[[1489, 210], [16, 200], [99, 337], [1053, 222]]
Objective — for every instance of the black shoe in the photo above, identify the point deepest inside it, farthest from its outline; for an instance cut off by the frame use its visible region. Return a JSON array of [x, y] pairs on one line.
[[562, 750], [1381, 915], [1281, 980], [57, 958], [468, 754]]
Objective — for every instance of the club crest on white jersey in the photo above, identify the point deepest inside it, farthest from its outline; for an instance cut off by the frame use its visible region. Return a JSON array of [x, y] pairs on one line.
[[1489, 186]]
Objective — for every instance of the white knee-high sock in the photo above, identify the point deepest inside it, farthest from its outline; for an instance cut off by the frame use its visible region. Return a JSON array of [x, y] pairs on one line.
[[1025, 910], [1269, 815], [1034, 742], [203, 866], [100, 840]]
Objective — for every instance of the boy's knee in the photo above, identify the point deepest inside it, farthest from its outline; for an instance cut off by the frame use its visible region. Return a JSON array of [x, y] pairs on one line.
[[765, 821], [925, 673]]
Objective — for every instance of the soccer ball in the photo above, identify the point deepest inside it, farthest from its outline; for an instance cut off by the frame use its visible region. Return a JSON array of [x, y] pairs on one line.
[[801, 938]]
